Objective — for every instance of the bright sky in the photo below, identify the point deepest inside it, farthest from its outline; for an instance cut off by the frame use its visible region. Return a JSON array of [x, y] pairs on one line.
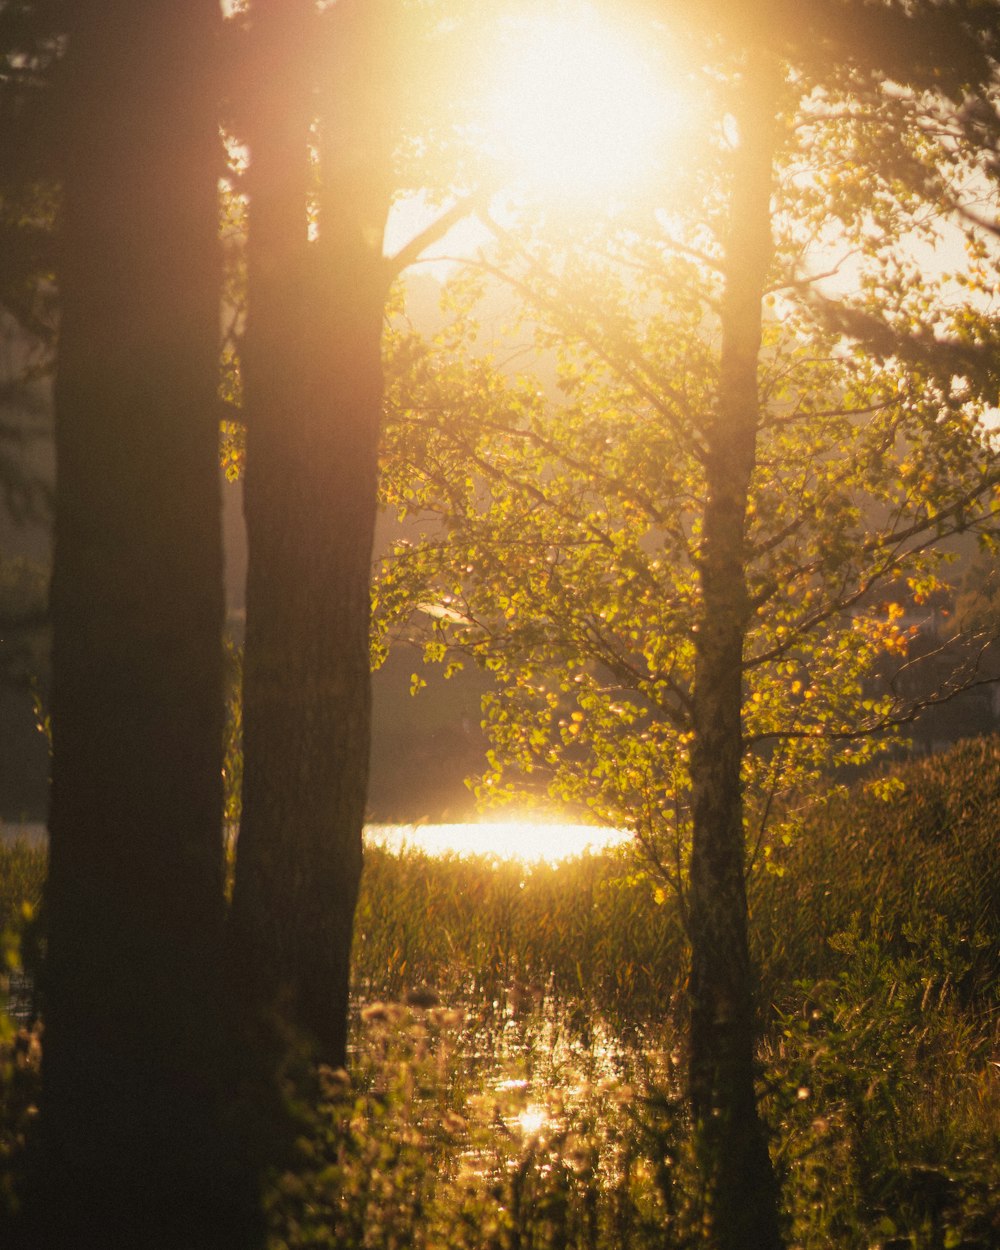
[[413, 213], [574, 109], [574, 105]]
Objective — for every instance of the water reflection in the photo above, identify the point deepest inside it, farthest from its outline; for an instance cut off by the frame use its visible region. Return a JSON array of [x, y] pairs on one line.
[[34, 834], [526, 839], [521, 839], [510, 1099], [531, 1120]]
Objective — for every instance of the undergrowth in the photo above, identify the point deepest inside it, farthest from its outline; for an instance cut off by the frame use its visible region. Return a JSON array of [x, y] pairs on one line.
[[517, 1040]]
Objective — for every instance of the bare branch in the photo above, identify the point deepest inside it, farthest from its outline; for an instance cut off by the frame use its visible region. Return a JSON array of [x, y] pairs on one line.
[[431, 234]]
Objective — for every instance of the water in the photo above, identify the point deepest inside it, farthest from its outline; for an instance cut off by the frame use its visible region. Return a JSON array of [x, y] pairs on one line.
[[35, 834], [514, 1089], [522, 839]]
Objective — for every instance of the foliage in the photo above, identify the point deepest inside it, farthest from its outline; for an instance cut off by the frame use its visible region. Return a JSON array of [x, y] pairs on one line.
[[906, 862], [22, 872], [559, 514], [22, 869], [29, 53], [587, 931], [232, 763], [20, 1058], [887, 1101], [538, 1098]]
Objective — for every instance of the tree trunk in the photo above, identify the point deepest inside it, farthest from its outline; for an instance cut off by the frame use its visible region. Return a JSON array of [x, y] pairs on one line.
[[313, 380], [742, 1192], [132, 1149]]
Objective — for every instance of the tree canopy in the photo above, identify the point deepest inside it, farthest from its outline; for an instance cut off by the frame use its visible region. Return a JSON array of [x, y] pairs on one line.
[[694, 556], [571, 500], [685, 567]]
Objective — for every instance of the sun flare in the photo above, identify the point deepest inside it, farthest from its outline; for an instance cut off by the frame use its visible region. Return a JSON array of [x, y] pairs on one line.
[[575, 106], [523, 839]]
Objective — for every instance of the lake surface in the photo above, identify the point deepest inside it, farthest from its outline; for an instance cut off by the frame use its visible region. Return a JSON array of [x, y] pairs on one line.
[[35, 834], [522, 839]]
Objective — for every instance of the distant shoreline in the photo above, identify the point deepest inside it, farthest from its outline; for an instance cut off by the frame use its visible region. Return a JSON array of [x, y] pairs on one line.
[[522, 840], [35, 833]]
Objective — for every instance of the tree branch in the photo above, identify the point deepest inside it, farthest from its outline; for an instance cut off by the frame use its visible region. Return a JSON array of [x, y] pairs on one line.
[[431, 234]]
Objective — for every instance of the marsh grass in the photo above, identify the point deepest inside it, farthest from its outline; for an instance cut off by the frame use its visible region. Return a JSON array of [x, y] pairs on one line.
[[585, 931], [885, 1100], [22, 869], [527, 1096], [876, 936], [904, 867]]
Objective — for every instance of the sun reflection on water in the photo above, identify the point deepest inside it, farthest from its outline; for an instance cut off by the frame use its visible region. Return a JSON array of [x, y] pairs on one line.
[[532, 1120], [521, 839]]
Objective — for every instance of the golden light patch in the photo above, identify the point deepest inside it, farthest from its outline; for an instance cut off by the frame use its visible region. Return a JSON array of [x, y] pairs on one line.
[[575, 107]]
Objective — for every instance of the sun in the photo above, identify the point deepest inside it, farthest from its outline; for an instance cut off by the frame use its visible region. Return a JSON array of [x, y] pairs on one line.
[[575, 106]]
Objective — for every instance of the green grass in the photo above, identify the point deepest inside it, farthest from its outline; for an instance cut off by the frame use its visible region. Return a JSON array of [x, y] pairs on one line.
[[586, 931], [537, 1105], [909, 864]]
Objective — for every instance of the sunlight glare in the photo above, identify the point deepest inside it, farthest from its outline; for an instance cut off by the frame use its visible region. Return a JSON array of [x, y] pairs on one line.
[[523, 839], [531, 1120], [576, 107]]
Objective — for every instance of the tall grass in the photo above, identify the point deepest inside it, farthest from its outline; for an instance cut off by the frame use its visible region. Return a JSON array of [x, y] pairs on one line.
[[587, 930], [22, 870], [876, 921], [532, 1099], [908, 864]]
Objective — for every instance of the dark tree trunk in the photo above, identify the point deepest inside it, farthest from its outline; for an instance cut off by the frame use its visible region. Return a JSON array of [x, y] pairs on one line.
[[741, 1184], [132, 1150], [313, 396]]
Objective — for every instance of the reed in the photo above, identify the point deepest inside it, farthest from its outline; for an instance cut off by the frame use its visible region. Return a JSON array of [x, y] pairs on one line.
[[517, 1041]]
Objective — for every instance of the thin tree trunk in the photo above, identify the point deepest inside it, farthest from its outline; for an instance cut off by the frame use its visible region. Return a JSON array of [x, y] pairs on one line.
[[132, 1147], [741, 1184], [313, 402]]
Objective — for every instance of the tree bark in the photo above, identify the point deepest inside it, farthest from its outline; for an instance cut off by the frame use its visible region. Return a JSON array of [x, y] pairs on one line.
[[313, 393], [742, 1193], [133, 1150]]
